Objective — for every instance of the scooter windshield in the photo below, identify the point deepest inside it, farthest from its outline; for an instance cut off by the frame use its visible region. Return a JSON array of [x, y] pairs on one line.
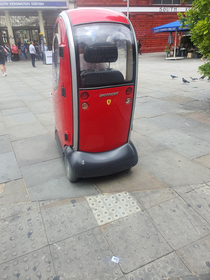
[[105, 52]]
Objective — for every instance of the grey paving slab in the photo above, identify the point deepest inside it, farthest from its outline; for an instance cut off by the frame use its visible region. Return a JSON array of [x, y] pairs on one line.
[[144, 145], [162, 268], [198, 105], [193, 277], [173, 169], [185, 189], [108, 208], [151, 109], [61, 188], [21, 234], [12, 209], [9, 169], [178, 99], [26, 131], [196, 256], [51, 129], [19, 119], [144, 126], [85, 256], [3, 129], [199, 199], [135, 241], [15, 111], [46, 118], [42, 172], [37, 149], [66, 218], [36, 265], [5, 145], [26, 97], [200, 117], [136, 179], [205, 160], [202, 132], [147, 199], [38, 107], [11, 102], [183, 143], [13, 191], [178, 222], [175, 121]]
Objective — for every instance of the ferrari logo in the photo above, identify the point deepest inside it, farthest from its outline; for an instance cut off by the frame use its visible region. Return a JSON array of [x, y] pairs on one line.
[[108, 101]]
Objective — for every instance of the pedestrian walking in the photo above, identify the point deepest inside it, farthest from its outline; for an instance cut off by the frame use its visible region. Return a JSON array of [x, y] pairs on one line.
[[23, 52], [139, 46], [38, 50], [8, 53], [15, 53], [2, 61], [32, 53]]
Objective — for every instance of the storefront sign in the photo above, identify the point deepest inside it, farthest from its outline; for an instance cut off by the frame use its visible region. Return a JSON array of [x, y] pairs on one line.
[[33, 4], [148, 9]]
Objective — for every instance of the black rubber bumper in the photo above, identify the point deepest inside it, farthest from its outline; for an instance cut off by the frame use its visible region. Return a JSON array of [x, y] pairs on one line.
[[88, 165]]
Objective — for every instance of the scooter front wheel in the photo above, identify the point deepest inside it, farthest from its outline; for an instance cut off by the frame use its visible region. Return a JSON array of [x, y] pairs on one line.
[[70, 171]]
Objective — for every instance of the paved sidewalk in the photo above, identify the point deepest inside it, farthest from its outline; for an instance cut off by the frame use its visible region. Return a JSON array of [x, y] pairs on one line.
[[154, 219]]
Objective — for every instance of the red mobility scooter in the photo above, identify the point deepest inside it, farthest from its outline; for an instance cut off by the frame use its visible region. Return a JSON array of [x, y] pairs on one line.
[[94, 90]]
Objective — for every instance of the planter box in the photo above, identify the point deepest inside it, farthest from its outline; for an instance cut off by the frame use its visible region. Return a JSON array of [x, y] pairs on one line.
[[190, 55]]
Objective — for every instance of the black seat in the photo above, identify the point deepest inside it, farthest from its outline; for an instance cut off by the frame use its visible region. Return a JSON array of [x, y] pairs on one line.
[[91, 78], [101, 53]]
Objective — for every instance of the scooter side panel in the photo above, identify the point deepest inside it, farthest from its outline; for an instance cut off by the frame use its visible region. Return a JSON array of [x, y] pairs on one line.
[[63, 104], [104, 126]]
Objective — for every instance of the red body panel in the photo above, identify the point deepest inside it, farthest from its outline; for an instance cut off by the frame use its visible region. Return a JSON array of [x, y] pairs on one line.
[[104, 127], [80, 16], [63, 106]]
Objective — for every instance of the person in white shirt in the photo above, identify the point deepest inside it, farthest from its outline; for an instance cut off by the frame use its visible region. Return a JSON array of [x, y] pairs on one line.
[[32, 53], [45, 48]]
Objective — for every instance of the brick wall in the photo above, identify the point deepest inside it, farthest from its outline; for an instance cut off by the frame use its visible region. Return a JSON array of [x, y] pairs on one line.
[[143, 22]]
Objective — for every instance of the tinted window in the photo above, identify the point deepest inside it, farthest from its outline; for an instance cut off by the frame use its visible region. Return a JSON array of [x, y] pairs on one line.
[[105, 54], [55, 56]]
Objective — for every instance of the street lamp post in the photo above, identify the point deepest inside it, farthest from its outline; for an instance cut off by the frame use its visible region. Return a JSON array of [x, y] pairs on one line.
[[127, 7]]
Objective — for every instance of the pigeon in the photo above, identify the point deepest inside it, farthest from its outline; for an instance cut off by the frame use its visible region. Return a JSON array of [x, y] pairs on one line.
[[193, 78], [202, 77], [173, 77], [184, 81]]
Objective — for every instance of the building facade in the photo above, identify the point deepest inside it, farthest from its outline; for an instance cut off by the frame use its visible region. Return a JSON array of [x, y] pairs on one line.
[[144, 15], [23, 20]]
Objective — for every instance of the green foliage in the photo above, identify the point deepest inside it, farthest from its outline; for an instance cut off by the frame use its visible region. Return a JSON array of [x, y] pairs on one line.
[[167, 49], [205, 69], [198, 20]]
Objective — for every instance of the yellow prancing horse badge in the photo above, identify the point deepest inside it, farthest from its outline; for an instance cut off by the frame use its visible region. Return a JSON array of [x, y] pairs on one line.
[[108, 101]]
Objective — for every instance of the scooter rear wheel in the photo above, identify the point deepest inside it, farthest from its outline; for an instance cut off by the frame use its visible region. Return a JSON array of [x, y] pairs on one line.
[[70, 171]]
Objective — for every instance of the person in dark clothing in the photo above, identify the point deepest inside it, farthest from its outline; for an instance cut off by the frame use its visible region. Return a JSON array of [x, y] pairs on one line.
[[2, 61], [139, 47], [23, 52], [38, 50]]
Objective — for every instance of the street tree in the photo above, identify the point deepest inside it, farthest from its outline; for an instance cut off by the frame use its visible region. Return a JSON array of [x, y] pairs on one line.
[[197, 18]]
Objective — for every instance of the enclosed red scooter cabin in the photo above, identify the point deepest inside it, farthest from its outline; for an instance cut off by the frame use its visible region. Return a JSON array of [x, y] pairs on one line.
[[95, 76]]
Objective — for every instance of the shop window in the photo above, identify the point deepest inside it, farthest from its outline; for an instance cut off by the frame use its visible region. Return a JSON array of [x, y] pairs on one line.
[[167, 2]]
